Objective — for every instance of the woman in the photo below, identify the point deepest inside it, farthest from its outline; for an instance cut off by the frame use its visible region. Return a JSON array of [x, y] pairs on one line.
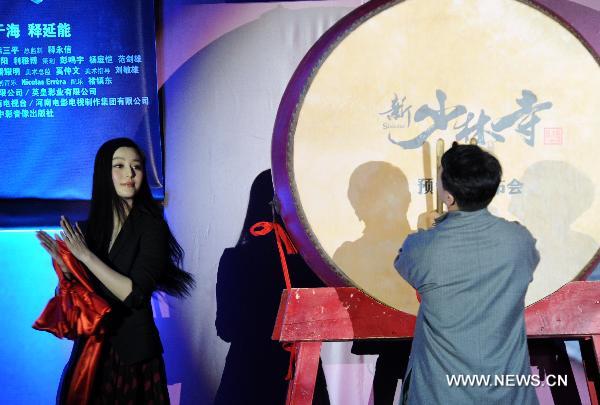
[[130, 252], [249, 285]]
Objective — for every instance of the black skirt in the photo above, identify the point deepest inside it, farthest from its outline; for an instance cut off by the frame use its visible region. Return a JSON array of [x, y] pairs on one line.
[[117, 383]]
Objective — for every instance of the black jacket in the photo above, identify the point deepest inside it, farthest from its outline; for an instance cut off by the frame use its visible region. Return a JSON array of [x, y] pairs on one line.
[[139, 252]]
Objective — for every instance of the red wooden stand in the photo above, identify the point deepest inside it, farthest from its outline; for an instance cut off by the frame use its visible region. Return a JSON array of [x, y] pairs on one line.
[[310, 316]]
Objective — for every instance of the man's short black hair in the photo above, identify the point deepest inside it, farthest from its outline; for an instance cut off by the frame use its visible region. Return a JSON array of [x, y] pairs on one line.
[[471, 175]]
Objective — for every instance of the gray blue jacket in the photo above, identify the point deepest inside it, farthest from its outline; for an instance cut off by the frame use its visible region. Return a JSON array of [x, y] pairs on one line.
[[472, 271]]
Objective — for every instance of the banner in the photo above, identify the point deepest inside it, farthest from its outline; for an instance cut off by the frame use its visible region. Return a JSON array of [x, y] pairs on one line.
[[74, 74]]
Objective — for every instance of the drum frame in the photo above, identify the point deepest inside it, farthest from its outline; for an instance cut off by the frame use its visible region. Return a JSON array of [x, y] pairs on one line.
[[287, 117]]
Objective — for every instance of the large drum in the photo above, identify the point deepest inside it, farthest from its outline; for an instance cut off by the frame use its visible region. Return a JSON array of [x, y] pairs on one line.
[[354, 140]]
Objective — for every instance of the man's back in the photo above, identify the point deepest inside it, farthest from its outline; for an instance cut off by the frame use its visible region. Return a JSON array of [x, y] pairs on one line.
[[472, 271]]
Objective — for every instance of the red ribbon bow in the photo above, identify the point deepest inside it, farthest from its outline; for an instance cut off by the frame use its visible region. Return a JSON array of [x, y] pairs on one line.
[[281, 236], [76, 311]]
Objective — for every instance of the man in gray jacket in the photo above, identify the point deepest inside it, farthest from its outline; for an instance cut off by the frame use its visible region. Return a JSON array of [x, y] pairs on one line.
[[471, 270]]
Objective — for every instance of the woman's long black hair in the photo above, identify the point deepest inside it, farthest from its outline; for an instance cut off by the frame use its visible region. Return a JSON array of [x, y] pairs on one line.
[[105, 201]]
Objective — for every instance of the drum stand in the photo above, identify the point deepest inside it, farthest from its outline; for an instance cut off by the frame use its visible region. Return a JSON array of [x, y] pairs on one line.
[[310, 316]]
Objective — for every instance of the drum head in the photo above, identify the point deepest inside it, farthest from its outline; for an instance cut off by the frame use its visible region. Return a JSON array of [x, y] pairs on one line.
[[354, 141]]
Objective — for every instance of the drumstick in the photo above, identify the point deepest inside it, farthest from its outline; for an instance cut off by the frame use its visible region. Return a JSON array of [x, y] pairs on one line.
[[439, 153], [473, 141]]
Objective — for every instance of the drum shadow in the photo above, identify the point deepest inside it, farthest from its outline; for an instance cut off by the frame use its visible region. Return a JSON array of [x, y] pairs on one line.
[[379, 194], [554, 195], [249, 286]]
